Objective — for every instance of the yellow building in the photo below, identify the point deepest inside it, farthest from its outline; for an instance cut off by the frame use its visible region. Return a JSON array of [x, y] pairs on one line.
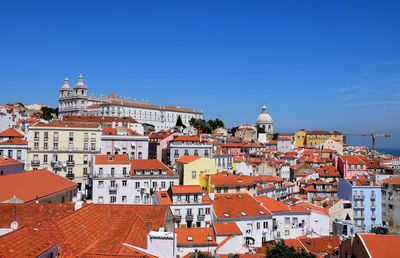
[[190, 169], [224, 182], [65, 149], [313, 139]]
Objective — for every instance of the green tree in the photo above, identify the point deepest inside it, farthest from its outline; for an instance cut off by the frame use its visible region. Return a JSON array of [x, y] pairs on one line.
[[179, 121], [281, 250], [47, 113], [200, 255]]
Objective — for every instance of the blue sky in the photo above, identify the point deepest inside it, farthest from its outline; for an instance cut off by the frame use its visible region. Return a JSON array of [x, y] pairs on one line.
[[315, 64]]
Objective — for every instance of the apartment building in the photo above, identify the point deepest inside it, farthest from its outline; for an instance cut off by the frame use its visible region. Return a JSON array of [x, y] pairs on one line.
[[189, 145], [391, 204], [190, 205], [366, 198], [65, 149], [119, 180]]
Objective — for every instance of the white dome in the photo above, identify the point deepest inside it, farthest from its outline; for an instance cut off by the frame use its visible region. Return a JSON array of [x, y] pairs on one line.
[[65, 86], [264, 117]]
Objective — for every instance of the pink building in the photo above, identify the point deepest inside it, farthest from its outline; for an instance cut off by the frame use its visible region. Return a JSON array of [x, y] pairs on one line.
[[158, 145], [350, 166]]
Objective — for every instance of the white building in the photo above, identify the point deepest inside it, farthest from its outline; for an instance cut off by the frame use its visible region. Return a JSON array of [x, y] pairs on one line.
[[190, 205], [10, 115], [189, 145], [15, 148], [116, 179], [284, 144], [76, 101], [124, 140]]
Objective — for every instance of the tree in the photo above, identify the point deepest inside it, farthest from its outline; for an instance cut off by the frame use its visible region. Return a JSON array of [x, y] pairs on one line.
[[206, 127], [47, 113], [282, 250], [179, 121], [200, 255]]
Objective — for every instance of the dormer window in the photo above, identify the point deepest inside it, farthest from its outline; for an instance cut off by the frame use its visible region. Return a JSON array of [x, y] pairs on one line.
[[209, 238], [110, 157], [226, 215], [189, 238], [261, 212], [243, 213]]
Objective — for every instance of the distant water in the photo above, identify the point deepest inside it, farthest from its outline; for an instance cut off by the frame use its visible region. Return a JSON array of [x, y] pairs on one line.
[[393, 151]]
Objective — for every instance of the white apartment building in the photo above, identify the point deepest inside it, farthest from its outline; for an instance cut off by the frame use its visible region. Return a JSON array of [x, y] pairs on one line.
[[10, 115], [15, 148], [116, 179], [189, 145], [124, 141], [65, 149], [76, 101], [190, 205]]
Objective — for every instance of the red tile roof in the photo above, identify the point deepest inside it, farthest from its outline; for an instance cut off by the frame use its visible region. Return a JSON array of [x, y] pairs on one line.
[[382, 246], [66, 125], [185, 159], [149, 164], [352, 160], [238, 206], [328, 171], [109, 131], [226, 228], [11, 132], [30, 185], [224, 179], [6, 161], [111, 159], [393, 180], [187, 139], [275, 206], [97, 119], [195, 237], [14, 141], [186, 189]]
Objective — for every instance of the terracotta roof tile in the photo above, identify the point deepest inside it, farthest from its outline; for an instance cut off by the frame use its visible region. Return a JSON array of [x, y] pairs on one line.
[[195, 237], [11, 132], [30, 185], [14, 141], [185, 159], [111, 159], [149, 164]]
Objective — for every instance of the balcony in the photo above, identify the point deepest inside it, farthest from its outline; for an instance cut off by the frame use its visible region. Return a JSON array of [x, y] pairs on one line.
[[373, 197], [189, 217], [35, 162], [177, 218], [112, 189], [201, 217], [70, 163], [70, 176], [359, 197]]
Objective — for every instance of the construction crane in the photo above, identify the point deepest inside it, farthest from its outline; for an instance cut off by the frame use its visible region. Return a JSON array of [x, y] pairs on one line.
[[372, 135]]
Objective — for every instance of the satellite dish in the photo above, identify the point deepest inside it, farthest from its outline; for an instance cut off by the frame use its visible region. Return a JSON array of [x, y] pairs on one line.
[[14, 225]]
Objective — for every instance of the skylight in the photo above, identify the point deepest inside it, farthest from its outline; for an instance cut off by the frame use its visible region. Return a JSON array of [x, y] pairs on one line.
[[243, 213], [226, 215], [189, 238], [209, 238], [261, 212]]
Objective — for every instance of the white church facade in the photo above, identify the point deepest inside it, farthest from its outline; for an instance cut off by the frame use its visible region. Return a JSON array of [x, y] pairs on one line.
[[75, 101]]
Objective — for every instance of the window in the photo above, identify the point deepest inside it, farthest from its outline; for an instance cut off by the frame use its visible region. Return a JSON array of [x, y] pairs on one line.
[[19, 154], [55, 157], [85, 171], [85, 159], [71, 136], [187, 198], [186, 152], [124, 198], [45, 158], [171, 183], [112, 183], [163, 184], [101, 184], [196, 198], [46, 136], [45, 146], [265, 224], [85, 146], [139, 155], [237, 189], [176, 153], [86, 137], [258, 225], [55, 136], [225, 189], [208, 210], [206, 153], [286, 232], [196, 153], [113, 199], [55, 146], [155, 185], [287, 221], [137, 199], [36, 146], [100, 171], [124, 182], [70, 158], [112, 171], [93, 146], [124, 171], [100, 199], [36, 136], [193, 174], [189, 212]]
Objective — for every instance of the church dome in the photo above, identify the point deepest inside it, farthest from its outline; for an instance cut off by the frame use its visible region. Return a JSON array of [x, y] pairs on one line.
[[264, 117], [65, 86]]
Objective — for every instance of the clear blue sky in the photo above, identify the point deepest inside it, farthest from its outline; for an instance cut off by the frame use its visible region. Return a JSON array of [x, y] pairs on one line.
[[316, 64]]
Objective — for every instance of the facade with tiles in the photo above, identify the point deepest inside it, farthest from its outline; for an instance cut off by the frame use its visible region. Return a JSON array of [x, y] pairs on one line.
[[76, 101]]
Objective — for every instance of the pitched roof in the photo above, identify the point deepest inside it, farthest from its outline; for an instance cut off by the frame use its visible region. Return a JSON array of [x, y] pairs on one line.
[[195, 237], [238, 206], [97, 119], [30, 185], [275, 206], [188, 138], [231, 180], [226, 228], [100, 230], [65, 125], [14, 141], [381, 245], [328, 171], [149, 164], [186, 189], [185, 159], [111, 159], [352, 160], [6, 161], [392, 180], [11, 132]]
